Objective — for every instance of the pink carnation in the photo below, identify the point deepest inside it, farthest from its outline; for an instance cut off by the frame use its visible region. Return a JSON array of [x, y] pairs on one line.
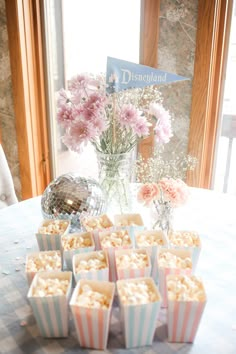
[[174, 190], [148, 192]]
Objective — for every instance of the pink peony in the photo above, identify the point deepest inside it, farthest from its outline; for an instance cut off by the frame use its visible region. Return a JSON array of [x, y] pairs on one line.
[[148, 192]]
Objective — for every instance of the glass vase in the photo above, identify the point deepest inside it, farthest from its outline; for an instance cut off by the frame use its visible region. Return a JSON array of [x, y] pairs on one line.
[[162, 215], [114, 178]]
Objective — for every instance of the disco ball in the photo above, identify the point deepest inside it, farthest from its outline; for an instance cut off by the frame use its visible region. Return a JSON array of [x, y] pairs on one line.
[[69, 195]]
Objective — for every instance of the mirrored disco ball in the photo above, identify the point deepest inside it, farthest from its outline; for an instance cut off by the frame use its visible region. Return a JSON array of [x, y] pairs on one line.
[[69, 195]]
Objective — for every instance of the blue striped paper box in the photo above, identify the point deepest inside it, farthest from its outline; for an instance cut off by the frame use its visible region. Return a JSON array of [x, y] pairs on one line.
[[68, 254], [51, 312], [100, 274], [49, 242], [139, 322]]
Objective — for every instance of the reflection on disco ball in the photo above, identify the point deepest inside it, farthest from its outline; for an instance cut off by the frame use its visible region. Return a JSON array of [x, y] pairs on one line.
[[70, 195]]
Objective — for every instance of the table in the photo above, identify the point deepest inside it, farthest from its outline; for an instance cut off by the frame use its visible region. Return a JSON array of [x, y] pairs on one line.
[[210, 213]]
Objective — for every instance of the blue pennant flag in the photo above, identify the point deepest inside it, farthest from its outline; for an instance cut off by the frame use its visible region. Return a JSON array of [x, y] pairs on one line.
[[122, 75]]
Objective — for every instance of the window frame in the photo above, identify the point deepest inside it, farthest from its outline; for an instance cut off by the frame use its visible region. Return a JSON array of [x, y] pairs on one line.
[[24, 23]]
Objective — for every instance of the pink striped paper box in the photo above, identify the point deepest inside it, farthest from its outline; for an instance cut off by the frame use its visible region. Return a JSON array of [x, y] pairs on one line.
[[138, 322], [92, 324], [183, 319], [36, 257], [93, 274], [110, 251], [51, 312], [69, 253], [49, 242], [131, 272], [163, 272], [132, 222], [157, 240], [195, 250], [95, 224]]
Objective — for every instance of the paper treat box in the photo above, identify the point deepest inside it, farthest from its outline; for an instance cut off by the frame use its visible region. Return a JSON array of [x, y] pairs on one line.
[[189, 240], [50, 232], [110, 241], [95, 224], [91, 265], [132, 263], [91, 306], [41, 262], [132, 222], [172, 261], [151, 240], [139, 301], [186, 303], [74, 243], [49, 295]]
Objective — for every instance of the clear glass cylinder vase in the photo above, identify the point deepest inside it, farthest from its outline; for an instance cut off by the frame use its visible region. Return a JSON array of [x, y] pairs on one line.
[[162, 216], [114, 178]]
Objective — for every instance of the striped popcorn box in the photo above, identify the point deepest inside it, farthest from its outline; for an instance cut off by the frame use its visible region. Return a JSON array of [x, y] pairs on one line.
[[50, 232], [140, 302], [132, 222], [75, 243], [41, 262], [95, 224], [185, 308], [132, 263], [189, 240], [49, 296], [151, 240], [91, 265], [172, 261], [91, 306], [111, 241]]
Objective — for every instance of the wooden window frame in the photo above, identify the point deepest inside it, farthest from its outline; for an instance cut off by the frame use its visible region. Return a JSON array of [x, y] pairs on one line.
[[211, 44], [29, 94], [29, 86]]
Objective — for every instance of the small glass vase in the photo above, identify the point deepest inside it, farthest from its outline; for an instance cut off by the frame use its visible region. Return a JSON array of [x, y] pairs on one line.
[[162, 216], [114, 178]]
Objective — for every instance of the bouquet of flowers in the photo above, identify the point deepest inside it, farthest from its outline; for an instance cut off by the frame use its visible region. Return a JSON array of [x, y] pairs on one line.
[[112, 122], [165, 195]]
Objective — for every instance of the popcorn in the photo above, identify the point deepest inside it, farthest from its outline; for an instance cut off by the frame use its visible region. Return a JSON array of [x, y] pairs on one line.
[[184, 238], [94, 223], [42, 261], [53, 227], [50, 287], [149, 239], [170, 260], [128, 220], [119, 238], [92, 299], [95, 261], [136, 293], [185, 288], [132, 259], [74, 241]]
